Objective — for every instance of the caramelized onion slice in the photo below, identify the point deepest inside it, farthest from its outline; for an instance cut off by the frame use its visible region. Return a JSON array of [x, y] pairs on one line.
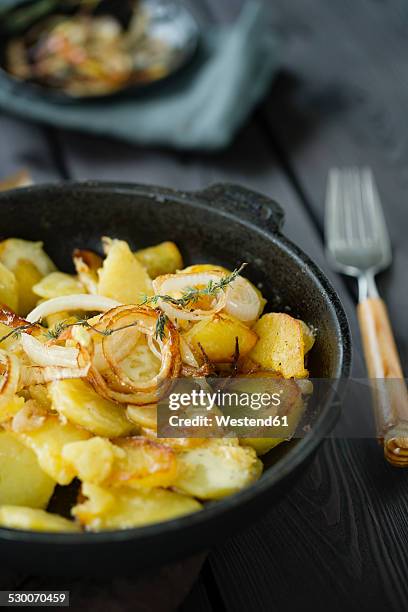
[[239, 299], [88, 303], [10, 370], [140, 322], [187, 355], [174, 285], [49, 355], [131, 325], [243, 301], [39, 375], [87, 264]]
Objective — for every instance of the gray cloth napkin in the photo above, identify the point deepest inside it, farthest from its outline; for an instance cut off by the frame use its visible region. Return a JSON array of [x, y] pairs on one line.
[[201, 108]]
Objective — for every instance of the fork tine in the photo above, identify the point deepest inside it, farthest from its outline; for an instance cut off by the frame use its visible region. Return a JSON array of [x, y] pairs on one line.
[[374, 211], [356, 233], [334, 210], [351, 202]]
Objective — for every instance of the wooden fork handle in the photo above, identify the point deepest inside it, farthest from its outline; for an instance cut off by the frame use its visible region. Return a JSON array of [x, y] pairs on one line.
[[389, 388]]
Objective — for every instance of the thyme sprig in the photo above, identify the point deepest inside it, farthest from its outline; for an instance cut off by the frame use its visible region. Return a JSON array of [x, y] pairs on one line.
[[17, 331], [161, 323], [55, 332], [191, 295]]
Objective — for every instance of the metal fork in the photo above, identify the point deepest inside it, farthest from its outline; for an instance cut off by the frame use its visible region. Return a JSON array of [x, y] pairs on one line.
[[358, 245]]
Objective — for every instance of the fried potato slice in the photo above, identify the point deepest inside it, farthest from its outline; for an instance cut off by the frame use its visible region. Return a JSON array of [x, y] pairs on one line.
[[9, 407], [22, 481], [130, 462], [57, 284], [280, 346], [309, 336], [143, 416], [27, 275], [13, 250], [47, 442], [216, 470], [175, 443], [29, 263], [122, 277], [30, 519], [143, 463], [125, 508], [8, 288], [77, 401], [164, 258], [290, 404], [218, 337]]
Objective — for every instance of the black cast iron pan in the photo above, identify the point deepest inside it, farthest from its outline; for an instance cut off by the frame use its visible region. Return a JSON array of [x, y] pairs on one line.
[[225, 225]]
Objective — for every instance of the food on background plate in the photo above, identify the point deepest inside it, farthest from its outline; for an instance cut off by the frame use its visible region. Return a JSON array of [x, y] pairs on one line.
[[91, 49], [86, 358]]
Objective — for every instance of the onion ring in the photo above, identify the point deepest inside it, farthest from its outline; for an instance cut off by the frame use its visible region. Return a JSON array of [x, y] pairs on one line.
[[175, 283], [143, 320], [239, 299], [10, 375], [71, 302], [243, 301]]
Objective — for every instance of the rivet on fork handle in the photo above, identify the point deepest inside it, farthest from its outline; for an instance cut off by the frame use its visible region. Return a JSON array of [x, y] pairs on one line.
[[384, 367]]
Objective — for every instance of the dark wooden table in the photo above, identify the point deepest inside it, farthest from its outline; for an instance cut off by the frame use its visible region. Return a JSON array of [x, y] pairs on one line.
[[339, 541]]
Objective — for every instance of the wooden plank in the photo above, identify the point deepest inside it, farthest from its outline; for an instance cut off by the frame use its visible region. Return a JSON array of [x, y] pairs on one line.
[[342, 100], [336, 542]]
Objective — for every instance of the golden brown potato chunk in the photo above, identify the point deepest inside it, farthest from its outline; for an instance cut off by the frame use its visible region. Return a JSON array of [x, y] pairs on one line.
[[27, 275], [122, 277], [216, 470], [8, 288], [57, 284], [22, 481], [77, 401], [125, 508], [218, 337], [164, 258], [143, 416], [280, 346], [29, 263], [130, 462], [29, 519], [47, 443]]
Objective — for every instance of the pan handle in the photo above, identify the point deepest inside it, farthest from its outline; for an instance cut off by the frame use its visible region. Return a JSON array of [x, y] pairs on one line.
[[245, 204]]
